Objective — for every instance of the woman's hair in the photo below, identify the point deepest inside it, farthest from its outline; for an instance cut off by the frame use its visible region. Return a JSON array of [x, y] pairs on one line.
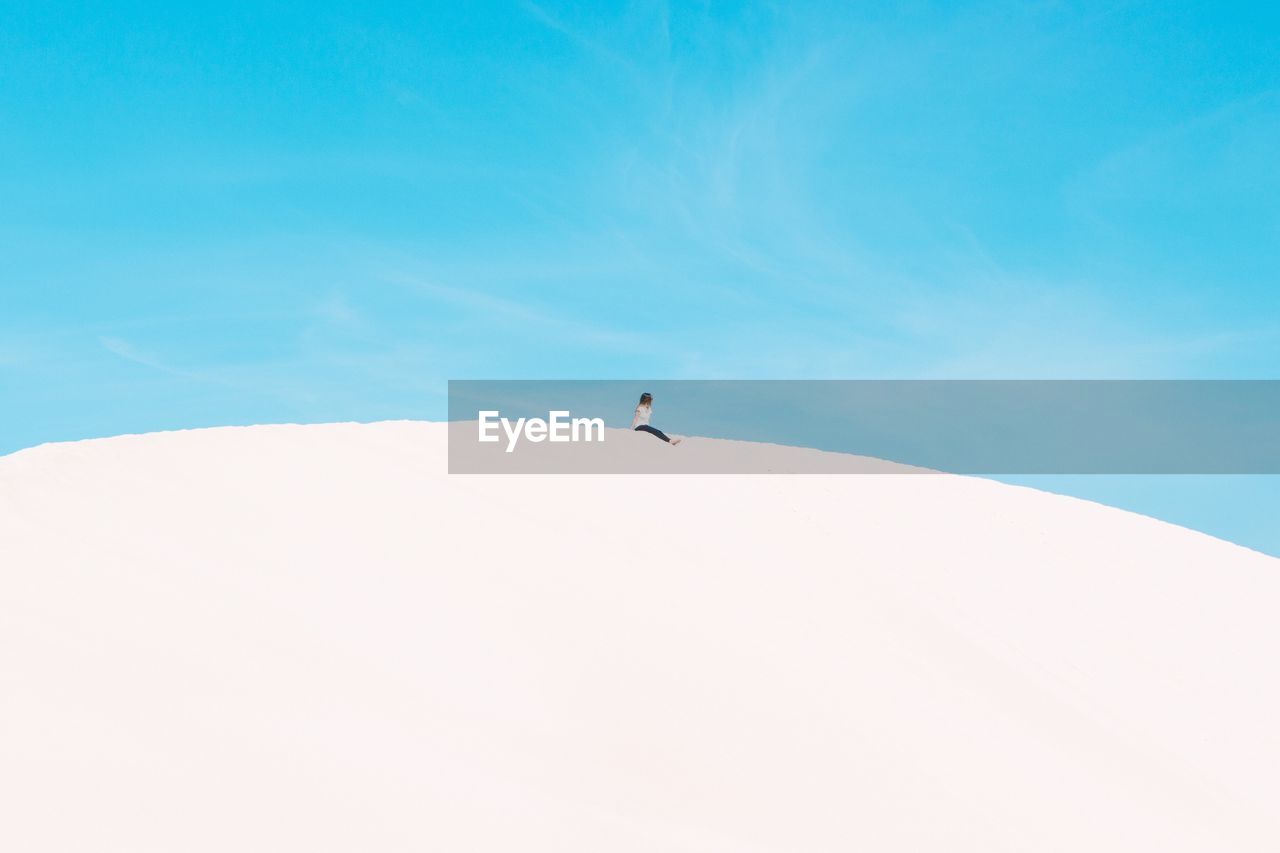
[[646, 399]]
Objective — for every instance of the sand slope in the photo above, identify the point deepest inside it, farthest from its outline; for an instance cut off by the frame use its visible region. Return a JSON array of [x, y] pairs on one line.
[[310, 639]]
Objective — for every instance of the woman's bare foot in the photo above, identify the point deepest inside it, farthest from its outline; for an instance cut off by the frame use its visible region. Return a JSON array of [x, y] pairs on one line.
[[676, 441]]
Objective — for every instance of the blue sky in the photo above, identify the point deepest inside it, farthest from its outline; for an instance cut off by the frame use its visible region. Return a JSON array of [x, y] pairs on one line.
[[311, 212]]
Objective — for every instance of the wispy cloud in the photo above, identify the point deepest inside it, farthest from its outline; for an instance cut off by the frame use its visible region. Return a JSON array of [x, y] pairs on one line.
[[127, 351], [588, 43]]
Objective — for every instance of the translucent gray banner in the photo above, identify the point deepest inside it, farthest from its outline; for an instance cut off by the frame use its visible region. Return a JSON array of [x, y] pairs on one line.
[[992, 427]]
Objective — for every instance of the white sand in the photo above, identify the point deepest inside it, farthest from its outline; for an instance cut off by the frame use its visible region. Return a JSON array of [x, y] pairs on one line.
[[310, 639], [627, 452]]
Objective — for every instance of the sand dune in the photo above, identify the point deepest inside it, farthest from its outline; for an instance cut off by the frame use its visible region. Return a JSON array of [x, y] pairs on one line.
[[311, 639], [628, 452]]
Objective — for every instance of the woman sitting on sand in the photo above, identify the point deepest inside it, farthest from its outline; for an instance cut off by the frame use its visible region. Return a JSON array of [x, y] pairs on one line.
[[640, 422]]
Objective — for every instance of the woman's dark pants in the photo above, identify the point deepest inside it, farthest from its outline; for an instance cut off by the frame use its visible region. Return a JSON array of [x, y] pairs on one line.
[[659, 433]]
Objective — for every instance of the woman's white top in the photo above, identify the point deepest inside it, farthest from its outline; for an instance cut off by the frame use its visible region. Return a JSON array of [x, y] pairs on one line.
[[641, 417]]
